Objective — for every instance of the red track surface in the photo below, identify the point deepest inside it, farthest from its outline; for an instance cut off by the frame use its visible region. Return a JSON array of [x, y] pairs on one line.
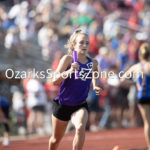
[[126, 139]]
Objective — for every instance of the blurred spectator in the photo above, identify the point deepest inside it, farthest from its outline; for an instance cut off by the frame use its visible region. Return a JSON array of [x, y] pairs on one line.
[[85, 7], [105, 104], [93, 48], [110, 26], [133, 50], [4, 118], [36, 102], [112, 82], [94, 109], [18, 106], [45, 35], [102, 58], [11, 39], [123, 56]]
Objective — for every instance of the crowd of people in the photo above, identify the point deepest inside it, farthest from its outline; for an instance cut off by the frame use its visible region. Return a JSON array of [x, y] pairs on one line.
[[116, 30]]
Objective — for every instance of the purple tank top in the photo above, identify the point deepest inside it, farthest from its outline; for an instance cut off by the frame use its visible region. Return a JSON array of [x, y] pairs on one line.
[[73, 91]]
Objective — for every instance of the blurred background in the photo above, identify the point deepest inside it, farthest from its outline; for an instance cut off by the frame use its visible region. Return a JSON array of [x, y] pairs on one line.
[[33, 34]]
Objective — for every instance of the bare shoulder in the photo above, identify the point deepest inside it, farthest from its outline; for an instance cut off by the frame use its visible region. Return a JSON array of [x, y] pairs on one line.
[[135, 67], [67, 59]]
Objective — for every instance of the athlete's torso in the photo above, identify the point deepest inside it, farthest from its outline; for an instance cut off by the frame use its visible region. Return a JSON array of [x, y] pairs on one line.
[[75, 91]]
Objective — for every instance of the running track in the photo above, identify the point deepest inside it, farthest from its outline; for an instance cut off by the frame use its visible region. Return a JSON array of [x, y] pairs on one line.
[[126, 139]]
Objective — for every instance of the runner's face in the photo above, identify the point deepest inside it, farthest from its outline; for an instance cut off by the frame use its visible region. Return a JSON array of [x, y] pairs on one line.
[[82, 44]]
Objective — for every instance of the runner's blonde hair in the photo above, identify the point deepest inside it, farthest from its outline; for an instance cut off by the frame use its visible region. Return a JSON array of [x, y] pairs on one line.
[[72, 40], [144, 52]]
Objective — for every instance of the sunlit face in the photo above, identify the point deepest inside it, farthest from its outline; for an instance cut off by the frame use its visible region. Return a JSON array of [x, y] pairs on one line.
[[82, 44]]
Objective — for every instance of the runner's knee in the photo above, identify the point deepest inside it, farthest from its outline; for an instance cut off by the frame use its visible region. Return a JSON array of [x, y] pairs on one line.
[[80, 129], [54, 140]]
